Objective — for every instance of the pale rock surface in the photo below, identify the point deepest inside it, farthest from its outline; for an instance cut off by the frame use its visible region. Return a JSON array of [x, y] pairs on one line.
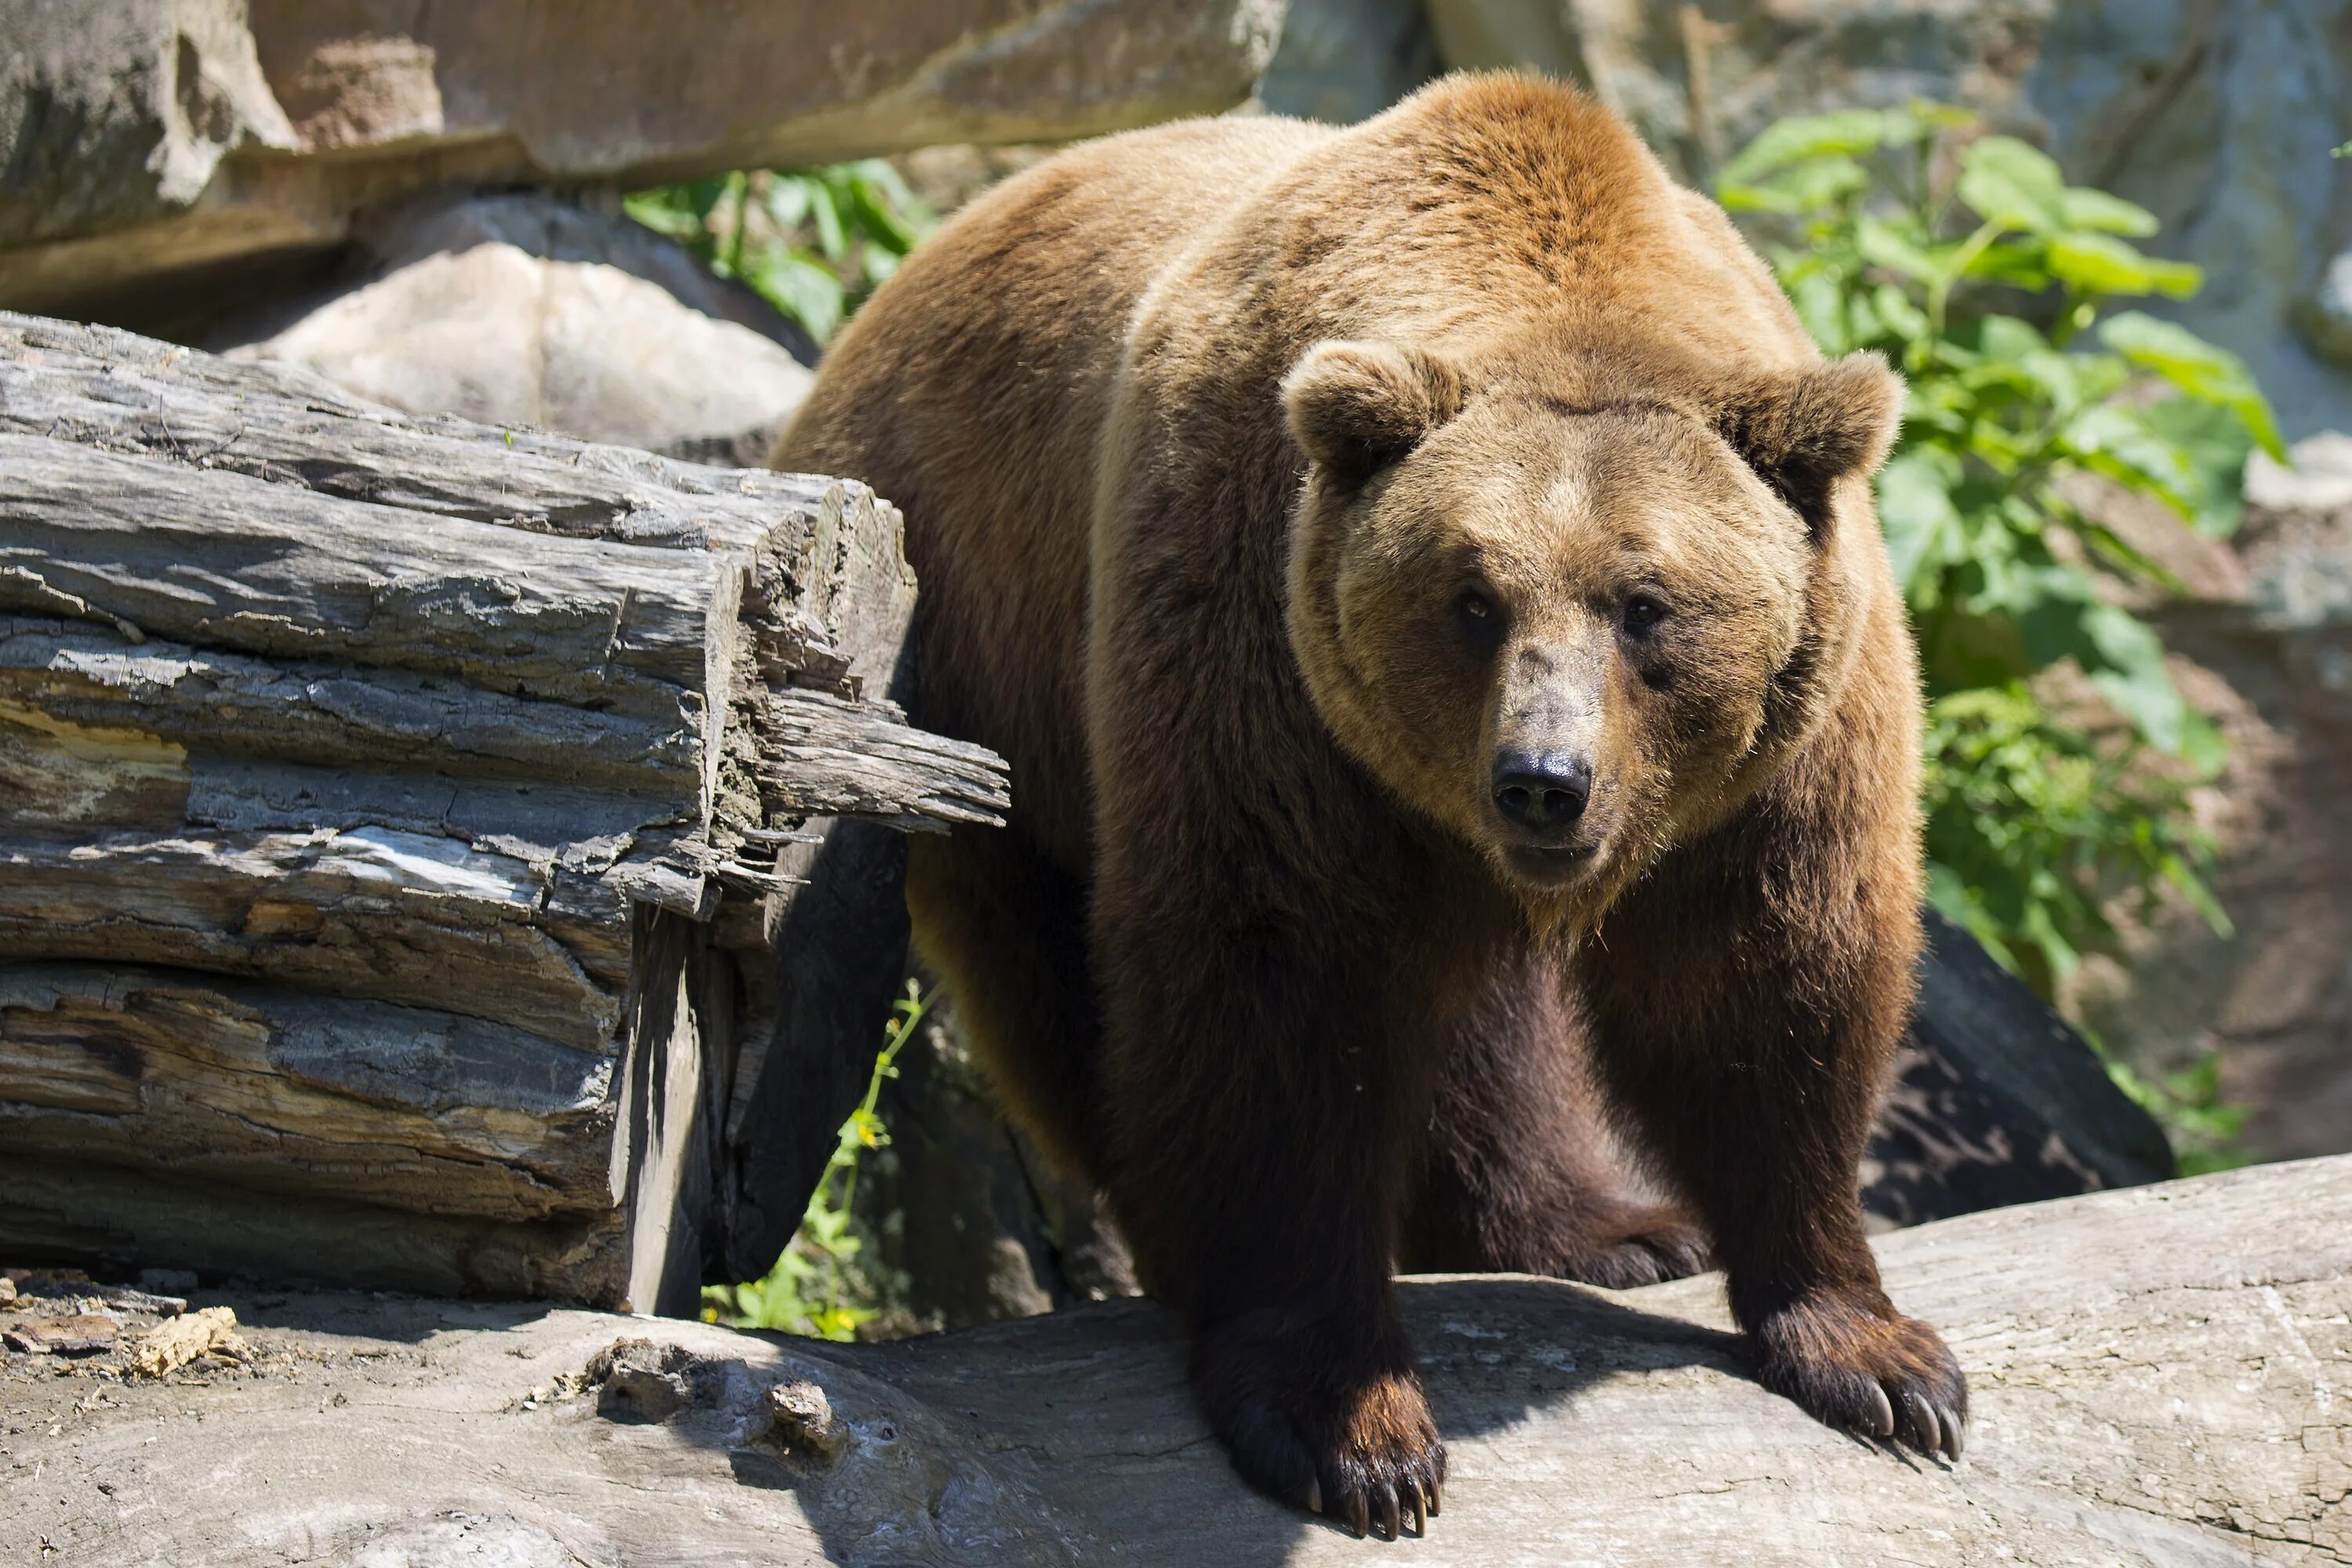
[[529, 310], [2157, 1376]]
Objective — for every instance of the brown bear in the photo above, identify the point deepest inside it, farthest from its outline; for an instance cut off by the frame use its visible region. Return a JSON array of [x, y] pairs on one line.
[[1426, 584]]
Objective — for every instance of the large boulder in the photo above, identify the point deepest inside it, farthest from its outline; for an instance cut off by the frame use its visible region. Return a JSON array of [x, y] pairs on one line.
[[2218, 118], [530, 309], [143, 138]]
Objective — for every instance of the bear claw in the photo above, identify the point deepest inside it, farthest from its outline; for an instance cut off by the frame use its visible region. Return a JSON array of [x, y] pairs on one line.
[[1855, 1362]]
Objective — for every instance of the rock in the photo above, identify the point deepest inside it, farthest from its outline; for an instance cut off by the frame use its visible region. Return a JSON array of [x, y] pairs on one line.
[[83, 1333], [1998, 1101], [529, 310], [2325, 316], [118, 111], [803, 1420], [2317, 478], [2156, 1377], [2272, 662], [972, 1218], [2218, 118], [638, 1381], [1343, 60], [140, 138], [180, 1339]]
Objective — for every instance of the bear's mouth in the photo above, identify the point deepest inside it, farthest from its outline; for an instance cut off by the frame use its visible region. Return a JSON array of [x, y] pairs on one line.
[[1552, 866]]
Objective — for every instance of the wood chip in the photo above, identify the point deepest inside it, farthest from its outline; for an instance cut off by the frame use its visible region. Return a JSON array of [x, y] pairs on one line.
[[175, 1341]]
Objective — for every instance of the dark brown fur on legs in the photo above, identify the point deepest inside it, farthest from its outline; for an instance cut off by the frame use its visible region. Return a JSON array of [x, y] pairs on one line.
[[1384, 554], [1518, 1176], [1004, 931]]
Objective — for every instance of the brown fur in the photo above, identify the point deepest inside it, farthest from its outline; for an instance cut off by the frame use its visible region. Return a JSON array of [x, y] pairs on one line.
[[1211, 441]]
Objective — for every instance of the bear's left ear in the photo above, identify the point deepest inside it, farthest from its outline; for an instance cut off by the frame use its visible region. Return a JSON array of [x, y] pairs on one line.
[[1806, 429], [1354, 407]]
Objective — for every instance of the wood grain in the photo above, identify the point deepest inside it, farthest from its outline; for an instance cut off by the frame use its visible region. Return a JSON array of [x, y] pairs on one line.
[[391, 811], [2158, 1375]]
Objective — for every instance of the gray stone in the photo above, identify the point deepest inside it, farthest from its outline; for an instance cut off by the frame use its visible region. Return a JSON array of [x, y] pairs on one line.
[[1343, 60], [1998, 1101], [2325, 316], [141, 138], [530, 310], [112, 111]]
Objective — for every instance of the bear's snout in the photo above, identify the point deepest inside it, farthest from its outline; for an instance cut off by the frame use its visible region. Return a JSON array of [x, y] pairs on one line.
[[1542, 794]]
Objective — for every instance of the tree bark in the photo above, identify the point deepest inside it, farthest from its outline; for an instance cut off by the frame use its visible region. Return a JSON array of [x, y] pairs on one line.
[[2158, 1375], [402, 812]]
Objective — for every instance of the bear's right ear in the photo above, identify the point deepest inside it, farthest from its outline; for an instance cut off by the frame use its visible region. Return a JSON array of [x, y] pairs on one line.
[[1804, 430], [1355, 407]]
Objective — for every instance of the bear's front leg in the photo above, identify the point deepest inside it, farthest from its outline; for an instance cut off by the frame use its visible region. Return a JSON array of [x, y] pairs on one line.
[[1748, 1022], [1260, 1122]]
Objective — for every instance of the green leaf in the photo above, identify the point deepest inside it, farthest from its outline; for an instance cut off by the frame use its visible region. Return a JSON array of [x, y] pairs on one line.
[[2096, 212], [1916, 511], [1800, 188], [788, 199], [1821, 306], [1842, 134], [2006, 181], [2213, 443], [2019, 263], [2128, 670], [2196, 367], [1887, 245], [2100, 264], [825, 212], [803, 289]]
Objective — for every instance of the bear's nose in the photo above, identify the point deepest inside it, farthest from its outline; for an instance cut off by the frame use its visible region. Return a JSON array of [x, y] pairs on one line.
[[1543, 794]]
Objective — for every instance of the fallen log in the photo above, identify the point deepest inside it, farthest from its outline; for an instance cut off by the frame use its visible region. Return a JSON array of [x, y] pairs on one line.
[[2158, 1375], [403, 814]]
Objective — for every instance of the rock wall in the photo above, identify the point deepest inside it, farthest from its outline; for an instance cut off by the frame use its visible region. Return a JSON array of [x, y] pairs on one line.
[[2264, 644], [143, 141], [2217, 115]]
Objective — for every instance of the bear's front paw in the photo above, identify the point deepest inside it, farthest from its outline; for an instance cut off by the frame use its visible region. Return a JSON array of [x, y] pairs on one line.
[[1857, 1362], [1621, 1244], [1361, 1449]]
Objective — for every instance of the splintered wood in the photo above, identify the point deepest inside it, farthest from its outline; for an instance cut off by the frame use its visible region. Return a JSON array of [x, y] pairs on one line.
[[397, 817]]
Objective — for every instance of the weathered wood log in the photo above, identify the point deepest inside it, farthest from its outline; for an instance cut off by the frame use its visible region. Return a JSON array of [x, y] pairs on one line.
[[2158, 1375], [403, 812]]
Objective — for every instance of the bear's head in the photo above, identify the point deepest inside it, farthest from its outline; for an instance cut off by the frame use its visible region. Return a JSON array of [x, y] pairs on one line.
[[1573, 626]]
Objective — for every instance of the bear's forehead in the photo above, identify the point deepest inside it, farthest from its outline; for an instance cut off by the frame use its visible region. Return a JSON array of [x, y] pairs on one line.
[[1612, 480]]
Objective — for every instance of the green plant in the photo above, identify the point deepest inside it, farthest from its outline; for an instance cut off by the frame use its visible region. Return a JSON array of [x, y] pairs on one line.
[[814, 1288], [814, 242], [2204, 1128], [1970, 262]]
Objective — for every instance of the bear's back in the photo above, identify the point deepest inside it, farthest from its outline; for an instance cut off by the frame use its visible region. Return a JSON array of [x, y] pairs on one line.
[[971, 390]]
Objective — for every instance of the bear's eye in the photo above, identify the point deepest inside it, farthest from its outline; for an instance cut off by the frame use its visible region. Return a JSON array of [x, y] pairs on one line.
[[1480, 621], [1641, 612]]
